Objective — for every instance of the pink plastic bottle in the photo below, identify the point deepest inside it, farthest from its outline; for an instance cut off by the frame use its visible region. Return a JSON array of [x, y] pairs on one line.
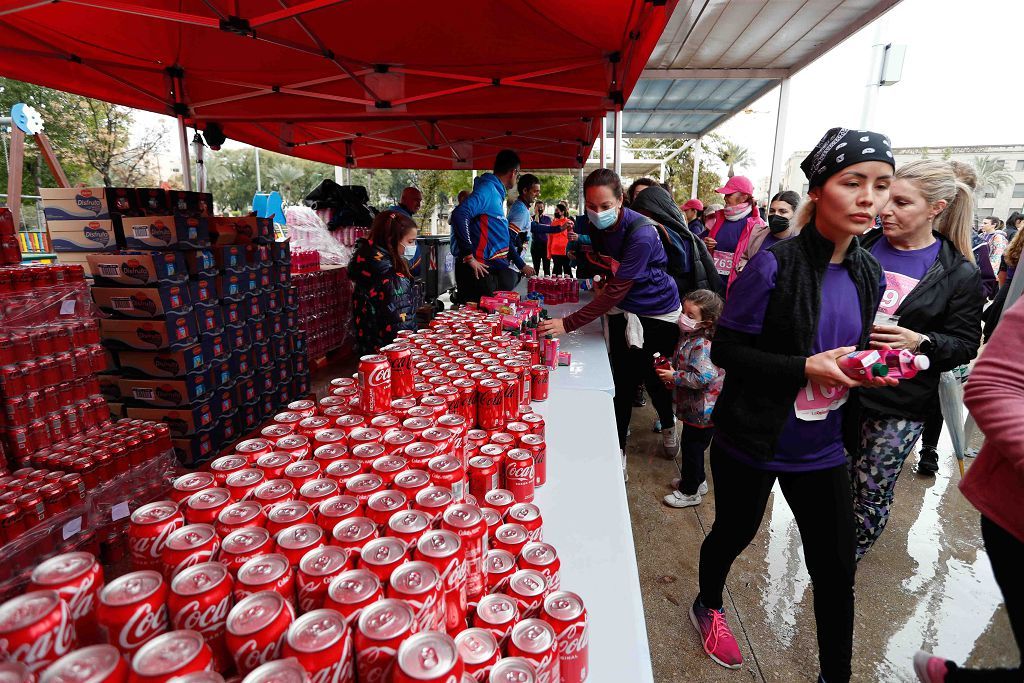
[[898, 364]]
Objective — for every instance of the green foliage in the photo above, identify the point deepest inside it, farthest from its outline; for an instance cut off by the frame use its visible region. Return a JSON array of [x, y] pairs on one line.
[[733, 155], [679, 169], [992, 177], [231, 177], [558, 188]]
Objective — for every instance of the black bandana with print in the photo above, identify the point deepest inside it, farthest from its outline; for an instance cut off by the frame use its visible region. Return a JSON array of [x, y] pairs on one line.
[[842, 147]]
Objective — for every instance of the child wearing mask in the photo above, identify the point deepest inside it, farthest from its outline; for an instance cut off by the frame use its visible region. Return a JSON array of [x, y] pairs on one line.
[[697, 383]]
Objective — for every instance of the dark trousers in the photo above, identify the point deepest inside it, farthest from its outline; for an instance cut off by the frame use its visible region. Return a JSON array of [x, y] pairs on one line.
[[561, 266], [539, 254], [1006, 554], [823, 511], [932, 426], [633, 367], [693, 443], [470, 288]]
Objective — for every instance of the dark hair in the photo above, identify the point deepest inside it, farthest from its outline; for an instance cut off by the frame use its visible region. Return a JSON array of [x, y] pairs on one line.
[[526, 181], [506, 161], [788, 196], [1014, 217], [539, 201], [389, 227], [640, 182], [563, 208], [709, 303], [604, 177], [993, 220]]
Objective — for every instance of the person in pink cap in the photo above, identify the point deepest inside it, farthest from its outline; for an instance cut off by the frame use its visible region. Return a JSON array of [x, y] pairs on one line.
[[730, 228], [693, 210]]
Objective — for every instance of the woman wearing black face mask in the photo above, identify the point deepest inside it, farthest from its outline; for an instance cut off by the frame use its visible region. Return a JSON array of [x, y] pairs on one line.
[[780, 211]]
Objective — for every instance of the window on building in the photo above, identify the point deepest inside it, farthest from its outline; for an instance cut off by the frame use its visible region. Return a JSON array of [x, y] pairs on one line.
[[990, 194], [1020, 165], [1001, 163], [985, 212], [1018, 190], [807, 186]]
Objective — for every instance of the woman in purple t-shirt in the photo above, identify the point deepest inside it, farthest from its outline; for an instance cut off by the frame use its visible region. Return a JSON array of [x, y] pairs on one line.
[[793, 312], [931, 306]]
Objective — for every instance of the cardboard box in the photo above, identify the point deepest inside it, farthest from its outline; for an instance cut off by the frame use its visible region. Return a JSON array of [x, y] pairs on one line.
[[275, 323], [246, 391], [265, 381], [133, 269], [200, 263], [123, 201], [152, 201], [250, 415], [173, 331], [220, 372], [161, 363], [225, 398], [194, 450], [117, 410], [74, 258], [228, 429], [231, 285], [82, 235], [74, 203], [142, 302], [235, 258], [166, 393], [239, 335], [182, 422], [234, 313], [110, 388], [259, 331], [209, 318], [203, 290], [281, 252], [239, 230], [242, 362], [216, 345], [279, 346], [163, 232]]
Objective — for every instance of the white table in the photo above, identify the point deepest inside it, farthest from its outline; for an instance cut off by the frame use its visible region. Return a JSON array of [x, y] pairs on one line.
[[590, 368], [586, 518]]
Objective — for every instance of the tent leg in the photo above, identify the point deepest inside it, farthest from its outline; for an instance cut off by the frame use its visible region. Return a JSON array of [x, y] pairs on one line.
[[15, 165], [780, 134], [259, 177], [696, 167], [580, 197], [186, 163], [618, 142], [604, 132]]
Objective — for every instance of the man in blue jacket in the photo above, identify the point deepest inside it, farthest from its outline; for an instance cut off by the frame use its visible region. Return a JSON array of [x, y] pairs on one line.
[[522, 224], [484, 248]]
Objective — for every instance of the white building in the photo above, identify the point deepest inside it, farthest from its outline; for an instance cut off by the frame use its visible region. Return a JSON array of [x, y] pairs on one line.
[[1001, 203]]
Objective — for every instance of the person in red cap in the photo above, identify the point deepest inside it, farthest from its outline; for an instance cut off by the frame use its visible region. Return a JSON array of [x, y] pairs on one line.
[[729, 229], [693, 209]]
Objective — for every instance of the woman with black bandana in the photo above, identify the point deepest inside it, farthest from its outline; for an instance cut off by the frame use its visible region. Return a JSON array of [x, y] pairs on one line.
[[780, 212]]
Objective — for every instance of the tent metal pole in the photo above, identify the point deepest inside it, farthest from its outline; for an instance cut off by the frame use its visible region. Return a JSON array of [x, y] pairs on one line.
[[618, 142], [580, 197], [696, 167], [604, 122], [186, 162], [259, 176], [780, 134]]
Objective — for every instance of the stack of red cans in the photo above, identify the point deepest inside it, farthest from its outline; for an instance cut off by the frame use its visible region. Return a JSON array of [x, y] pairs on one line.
[[325, 304]]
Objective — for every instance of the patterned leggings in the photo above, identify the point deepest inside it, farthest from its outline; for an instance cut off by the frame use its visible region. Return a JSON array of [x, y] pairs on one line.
[[885, 443]]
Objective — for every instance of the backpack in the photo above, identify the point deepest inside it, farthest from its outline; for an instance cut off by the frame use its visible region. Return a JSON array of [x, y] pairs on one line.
[[691, 268]]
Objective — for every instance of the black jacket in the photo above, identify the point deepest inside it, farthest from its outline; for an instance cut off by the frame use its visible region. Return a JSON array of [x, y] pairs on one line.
[[764, 372], [946, 306]]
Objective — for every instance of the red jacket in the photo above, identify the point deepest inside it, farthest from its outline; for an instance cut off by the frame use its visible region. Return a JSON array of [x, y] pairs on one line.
[[995, 396]]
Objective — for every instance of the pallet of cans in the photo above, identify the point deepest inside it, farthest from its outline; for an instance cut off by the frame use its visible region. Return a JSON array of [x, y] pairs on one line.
[[385, 532], [552, 290], [325, 309]]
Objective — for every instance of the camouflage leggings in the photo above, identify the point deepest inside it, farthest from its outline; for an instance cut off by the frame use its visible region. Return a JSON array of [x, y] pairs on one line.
[[885, 443]]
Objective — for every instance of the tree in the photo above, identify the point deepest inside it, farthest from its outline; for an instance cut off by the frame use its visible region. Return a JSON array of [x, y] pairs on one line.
[[733, 155], [992, 177], [556, 188], [679, 169]]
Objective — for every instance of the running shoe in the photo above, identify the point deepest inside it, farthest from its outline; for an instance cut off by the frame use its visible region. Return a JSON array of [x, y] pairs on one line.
[[702, 490], [681, 500], [656, 428], [715, 636], [928, 462], [929, 669], [669, 442]]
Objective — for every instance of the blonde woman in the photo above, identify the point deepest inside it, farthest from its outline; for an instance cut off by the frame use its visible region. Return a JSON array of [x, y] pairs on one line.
[[932, 306]]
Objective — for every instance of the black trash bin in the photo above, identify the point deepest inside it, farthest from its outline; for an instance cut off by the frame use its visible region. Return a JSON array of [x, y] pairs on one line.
[[436, 265]]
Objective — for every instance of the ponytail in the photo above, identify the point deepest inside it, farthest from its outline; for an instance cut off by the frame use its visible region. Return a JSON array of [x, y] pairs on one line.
[[938, 181], [956, 222], [804, 215]]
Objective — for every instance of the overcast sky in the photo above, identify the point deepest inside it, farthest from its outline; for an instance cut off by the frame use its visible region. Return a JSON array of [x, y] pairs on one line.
[[962, 84]]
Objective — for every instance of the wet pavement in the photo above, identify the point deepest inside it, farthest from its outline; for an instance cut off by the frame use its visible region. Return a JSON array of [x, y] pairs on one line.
[[926, 584]]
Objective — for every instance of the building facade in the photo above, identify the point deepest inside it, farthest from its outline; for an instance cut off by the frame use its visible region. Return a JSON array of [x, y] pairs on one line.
[[999, 202]]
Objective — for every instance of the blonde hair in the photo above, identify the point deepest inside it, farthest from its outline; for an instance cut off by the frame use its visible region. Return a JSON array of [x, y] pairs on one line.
[[937, 181], [965, 173], [804, 215]]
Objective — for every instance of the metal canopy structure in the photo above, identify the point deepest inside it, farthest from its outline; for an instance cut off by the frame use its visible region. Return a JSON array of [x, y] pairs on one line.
[[716, 57]]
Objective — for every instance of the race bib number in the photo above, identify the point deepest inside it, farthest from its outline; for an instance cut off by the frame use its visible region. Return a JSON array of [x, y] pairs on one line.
[[723, 261], [897, 287], [814, 401]]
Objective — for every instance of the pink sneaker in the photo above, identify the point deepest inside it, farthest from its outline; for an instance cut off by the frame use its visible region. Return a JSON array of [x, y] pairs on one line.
[[715, 636], [929, 669]]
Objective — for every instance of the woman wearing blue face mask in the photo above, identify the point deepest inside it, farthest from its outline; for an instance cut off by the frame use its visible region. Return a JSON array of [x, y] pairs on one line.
[[639, 296], [386, 296]]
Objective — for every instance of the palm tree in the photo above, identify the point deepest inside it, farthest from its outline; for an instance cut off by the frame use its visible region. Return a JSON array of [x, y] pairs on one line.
[[992, 177], [734, 155], [284, 177]]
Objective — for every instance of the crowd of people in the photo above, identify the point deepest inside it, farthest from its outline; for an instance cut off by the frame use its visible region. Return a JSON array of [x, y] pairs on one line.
[[756, 310]]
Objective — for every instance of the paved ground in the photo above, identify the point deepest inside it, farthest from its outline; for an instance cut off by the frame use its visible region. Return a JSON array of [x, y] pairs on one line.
[[926, 584]]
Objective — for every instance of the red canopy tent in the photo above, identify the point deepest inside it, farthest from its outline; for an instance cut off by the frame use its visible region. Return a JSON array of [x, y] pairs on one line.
[[364, 83]]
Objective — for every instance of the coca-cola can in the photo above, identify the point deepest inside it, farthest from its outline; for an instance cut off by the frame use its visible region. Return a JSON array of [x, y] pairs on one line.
[[351, 591], [94, 663], [78, 578], [270, 572], [382, 556], [411, 482], [241, 545], [419, 453], [252, 449], [566, 614], [354, 533], [512, 387], [301, 472], [468, 523], [408, 525], [298, 446], [316, 570], [483, 476], [536, 422], [529, 516], [170, 655], [239, 515], [528, 587], [199, 600], [328, 453], [278, 671], [343, 469], [133, 610], [499, 565], [479, 651], [520, 474], [203, 507], [272, 464], [490, 404], [374, 382], [274, 491], [429, 657], [493, 520], [322, 644], [383, 504], [511, 537], [362, 486], [535, 640], [447, 471], [535, 444], [443, 549], [539, 375], [280, 516], [188, 546], [244, 482], [193, 482], [256, 629], [295, 541], [225, 465], [387, 467], [148, 530], [544, 558], [498, 614], [381, 628], [499, 500], [516, 669], [36, 629], [419, 584], [335, 509], [434, 500]]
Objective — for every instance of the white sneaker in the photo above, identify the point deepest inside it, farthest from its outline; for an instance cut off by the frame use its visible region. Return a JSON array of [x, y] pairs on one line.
[[625, 472], [702, 490], [681, 500], [670, 442]]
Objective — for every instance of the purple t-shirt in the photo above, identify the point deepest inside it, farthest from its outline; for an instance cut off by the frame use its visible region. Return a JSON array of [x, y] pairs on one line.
[[771, 240], [728, 236], [903, 270], [642, 259], [804, 445]]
